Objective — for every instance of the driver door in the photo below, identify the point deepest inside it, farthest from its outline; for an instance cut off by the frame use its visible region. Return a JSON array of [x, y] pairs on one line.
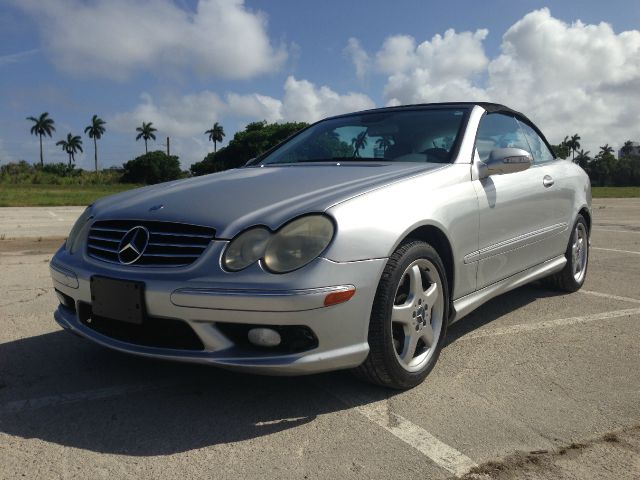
[[516, 217]]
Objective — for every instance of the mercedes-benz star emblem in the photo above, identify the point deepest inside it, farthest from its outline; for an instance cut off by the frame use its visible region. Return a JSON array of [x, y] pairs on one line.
[[133, 245]]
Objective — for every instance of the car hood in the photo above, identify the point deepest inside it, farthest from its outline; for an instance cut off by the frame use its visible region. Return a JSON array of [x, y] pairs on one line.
[[235, 199]]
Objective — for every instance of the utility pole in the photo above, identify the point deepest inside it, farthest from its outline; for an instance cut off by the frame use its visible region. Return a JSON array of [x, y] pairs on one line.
[[168, 149]]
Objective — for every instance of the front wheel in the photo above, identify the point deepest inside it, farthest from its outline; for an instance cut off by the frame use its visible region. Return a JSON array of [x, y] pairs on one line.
[[408, 319]]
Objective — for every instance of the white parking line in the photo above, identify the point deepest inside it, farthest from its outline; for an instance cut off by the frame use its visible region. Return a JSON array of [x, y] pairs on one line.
[[413, 435], [615, 250], [617, 231], [529, 327], [18, 406], [608, 295]]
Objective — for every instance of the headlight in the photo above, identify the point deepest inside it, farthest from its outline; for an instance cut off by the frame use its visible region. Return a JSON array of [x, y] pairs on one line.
[[71, 245], [246, 248], [291, 247], [297, 243]]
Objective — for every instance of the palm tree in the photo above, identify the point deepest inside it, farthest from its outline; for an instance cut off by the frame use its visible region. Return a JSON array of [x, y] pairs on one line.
[[574, 144], [43, 125], [146, 133], [384, 143], [606, 149], [583, 158], [627, 148], [358, 142], [71, 145], [216, 134], [95, 131]]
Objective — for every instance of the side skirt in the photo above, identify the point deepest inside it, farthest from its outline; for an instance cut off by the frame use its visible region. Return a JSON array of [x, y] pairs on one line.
[[465, 305]]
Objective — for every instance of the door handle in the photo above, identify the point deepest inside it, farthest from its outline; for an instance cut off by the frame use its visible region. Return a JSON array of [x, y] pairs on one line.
[[547, 181]]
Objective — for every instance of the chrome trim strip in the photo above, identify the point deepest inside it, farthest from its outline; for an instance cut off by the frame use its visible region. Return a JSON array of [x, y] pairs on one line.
[[465, 305], [515, 243], [255, 300], [63, 275]]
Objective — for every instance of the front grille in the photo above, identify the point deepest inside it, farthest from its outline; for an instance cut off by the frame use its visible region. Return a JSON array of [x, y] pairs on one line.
[[170, 244]]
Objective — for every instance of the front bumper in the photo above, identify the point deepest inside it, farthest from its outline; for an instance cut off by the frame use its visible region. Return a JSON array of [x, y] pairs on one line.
[[204, 303]]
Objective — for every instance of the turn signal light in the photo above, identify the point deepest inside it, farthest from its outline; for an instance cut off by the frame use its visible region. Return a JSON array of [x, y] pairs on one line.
[[339, 297]]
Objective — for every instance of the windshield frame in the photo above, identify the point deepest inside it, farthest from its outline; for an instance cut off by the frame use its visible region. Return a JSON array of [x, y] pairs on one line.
[[455, 149]]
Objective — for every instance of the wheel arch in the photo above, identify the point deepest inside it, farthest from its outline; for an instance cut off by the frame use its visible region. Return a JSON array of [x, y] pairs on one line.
[[584, 211], [436, 237]]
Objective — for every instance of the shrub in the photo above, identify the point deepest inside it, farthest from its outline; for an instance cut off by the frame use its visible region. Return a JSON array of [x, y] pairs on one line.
[[255, 139], [152, 167]]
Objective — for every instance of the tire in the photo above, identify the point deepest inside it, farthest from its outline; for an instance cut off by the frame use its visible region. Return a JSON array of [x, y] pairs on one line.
[[408, 319], [572, 276]]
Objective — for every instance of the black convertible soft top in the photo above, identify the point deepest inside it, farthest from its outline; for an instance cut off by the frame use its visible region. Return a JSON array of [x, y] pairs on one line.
[[488, 106]]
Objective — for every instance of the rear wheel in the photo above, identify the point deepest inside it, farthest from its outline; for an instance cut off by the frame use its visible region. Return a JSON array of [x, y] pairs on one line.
[[572, 276], [408, 319]]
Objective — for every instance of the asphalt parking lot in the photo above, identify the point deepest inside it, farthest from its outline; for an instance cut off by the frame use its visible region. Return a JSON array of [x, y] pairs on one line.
[[534, 384]]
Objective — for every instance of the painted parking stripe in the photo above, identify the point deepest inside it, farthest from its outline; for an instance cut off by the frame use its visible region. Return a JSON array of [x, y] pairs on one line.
[[378, 412], [615, 250], [561, 322], [608, 295], [18, 406], [613, 230]]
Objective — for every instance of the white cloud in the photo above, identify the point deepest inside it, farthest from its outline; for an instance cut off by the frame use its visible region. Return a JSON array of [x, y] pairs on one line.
[[443, 57], [358, 56], [16, 57], [255, 106], [567, 77], [173, 115], [303, 101], [185, 118], [113, 38], [576, 77], [442, 67]]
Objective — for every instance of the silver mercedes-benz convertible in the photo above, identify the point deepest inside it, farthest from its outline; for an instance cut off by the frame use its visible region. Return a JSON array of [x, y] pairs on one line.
[[353, 244]]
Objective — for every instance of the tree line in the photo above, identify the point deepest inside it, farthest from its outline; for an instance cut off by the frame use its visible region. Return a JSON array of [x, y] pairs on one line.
[[44, 126], [604, 168]]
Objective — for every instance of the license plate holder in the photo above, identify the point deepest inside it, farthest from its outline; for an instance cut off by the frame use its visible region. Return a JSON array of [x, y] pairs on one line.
[[116, 299]]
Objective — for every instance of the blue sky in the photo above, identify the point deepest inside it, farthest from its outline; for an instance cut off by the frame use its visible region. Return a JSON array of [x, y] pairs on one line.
[[571, 66]]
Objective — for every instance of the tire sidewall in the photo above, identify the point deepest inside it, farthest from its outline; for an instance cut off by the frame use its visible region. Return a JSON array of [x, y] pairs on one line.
[[415, 251], [568, 254]]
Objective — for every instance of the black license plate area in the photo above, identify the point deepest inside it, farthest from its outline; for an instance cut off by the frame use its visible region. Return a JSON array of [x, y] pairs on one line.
[[115, 299]]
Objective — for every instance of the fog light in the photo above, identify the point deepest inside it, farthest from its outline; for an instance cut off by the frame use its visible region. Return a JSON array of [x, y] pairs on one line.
[[264, 337]]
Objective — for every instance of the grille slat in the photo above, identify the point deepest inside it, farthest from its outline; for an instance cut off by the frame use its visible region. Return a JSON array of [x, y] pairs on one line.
[[176, 245], [170, 244], [104, 229], [195, 235], [104, 239], [104, 249], [176, 255]]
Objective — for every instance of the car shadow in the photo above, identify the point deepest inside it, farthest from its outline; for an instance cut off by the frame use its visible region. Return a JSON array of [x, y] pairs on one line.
[[497, 307], [164, 408], [127, 405]]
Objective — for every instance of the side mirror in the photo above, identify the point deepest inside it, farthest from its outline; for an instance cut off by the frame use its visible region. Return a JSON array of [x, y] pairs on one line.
[[506, 160]]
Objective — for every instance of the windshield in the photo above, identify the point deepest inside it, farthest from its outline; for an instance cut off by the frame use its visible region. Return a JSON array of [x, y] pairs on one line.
[[422, 135]]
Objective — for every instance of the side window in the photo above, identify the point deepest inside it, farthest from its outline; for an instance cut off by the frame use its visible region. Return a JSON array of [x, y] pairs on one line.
[[539, 149], [499, 131]]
